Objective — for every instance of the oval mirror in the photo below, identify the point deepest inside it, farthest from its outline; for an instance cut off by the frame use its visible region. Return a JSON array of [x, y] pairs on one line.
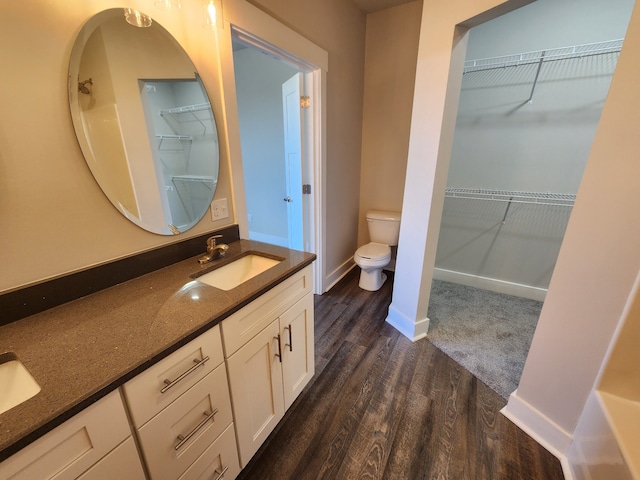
[[144, 122]]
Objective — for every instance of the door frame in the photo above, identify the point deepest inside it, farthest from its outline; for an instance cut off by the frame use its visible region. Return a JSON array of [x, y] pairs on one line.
[[251, 26]]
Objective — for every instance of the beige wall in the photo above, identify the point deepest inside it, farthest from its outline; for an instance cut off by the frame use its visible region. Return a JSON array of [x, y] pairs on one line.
[[390, 71], [338, 27], [54, 217]]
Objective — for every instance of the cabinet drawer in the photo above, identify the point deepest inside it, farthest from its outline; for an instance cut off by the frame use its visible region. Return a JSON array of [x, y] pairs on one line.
[[123, 462], [178, 435], [219, 461], [73, 447], [243, 325], [174, 375]]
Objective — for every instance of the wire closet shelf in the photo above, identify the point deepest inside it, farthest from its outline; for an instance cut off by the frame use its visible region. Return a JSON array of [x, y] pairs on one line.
[[538, 198], [529, 58]]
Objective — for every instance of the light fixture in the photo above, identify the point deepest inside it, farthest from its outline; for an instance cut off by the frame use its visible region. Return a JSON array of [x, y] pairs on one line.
[[137, 18], [210, 13], [167, 4]]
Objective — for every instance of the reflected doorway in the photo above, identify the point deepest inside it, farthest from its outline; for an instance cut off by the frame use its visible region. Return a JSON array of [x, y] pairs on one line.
[[272, 135]]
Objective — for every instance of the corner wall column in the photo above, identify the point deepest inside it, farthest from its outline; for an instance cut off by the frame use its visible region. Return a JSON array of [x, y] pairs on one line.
[[440, 64], [431, 139]]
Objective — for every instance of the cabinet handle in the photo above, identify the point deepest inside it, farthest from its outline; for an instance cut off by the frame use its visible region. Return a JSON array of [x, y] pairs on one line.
[[290, 344], [184, 439], [279, 354], [221, 474], [171, 383]]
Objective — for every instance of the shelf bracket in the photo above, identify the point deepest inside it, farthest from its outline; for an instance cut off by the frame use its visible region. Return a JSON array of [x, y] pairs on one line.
[[506, 212], [535, 80]]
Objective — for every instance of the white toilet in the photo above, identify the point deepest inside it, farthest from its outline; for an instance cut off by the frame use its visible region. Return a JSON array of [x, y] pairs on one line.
[[384, 229]]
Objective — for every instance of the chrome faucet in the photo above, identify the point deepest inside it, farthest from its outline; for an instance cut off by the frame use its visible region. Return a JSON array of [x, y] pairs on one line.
[[214, 250]]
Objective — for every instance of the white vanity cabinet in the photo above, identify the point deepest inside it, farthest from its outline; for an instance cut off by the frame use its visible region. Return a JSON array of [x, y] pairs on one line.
[[181, 410], [94, 441], [270, 359], [175, 420]]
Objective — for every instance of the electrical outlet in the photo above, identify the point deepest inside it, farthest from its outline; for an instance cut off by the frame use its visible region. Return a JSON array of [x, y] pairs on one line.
[[219, 209]]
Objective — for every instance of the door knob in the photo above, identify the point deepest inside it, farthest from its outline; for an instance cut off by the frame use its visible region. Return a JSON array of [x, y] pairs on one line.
[[287, 199]]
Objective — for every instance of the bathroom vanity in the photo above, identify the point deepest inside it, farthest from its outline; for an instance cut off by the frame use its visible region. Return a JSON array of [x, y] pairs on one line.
[[162, 374]]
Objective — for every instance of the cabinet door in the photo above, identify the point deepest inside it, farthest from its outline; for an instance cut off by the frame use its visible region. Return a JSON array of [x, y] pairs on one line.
[[296, 330], [121, 463], [73, 447], [255, 377], [247, 322]]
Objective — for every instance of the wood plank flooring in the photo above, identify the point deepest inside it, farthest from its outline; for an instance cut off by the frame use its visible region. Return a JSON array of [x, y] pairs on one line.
[[382, 407]]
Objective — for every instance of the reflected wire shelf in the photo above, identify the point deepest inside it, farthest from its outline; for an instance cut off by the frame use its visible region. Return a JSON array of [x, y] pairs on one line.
[[538, 198]]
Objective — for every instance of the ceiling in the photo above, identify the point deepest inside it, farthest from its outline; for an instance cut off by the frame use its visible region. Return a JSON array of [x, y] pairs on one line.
[[369, 6]]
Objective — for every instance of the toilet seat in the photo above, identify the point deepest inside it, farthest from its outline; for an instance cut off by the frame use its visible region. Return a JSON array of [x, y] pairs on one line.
[[373, 254]]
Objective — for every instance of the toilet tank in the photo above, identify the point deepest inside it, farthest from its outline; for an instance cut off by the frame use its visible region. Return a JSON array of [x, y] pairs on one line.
[[384, 227]]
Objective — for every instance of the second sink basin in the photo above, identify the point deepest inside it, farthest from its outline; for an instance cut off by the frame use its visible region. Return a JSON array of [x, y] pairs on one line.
[[239, 271], [17, 384]]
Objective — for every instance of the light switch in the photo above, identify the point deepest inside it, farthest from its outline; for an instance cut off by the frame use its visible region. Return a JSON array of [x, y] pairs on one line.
[[219, 209]]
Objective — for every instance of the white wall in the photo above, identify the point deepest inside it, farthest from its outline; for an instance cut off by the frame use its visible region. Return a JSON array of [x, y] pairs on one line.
[[259, 80], [502, 142]]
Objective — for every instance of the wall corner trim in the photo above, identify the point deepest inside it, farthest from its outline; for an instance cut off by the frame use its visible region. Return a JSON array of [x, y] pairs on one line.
[[538, 426], [414, 330]]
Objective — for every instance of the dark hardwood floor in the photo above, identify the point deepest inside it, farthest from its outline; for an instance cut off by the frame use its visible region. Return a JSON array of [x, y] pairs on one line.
[[382, 407]]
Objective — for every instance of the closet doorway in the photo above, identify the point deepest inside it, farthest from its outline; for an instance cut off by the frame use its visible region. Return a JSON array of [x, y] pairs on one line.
[[528, 113]]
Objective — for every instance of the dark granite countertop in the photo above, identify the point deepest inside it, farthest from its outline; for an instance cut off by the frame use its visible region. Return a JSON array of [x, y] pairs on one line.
[[82, 350]]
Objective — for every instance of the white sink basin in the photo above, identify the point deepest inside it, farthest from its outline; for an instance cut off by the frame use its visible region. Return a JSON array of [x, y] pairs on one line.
[[238, 271], [17, 384]]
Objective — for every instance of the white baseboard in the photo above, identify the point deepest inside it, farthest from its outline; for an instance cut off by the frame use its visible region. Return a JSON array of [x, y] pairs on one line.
[[539, 427], [566, 469], [270, 239], [337, 275], [413, 330], [491, 284]]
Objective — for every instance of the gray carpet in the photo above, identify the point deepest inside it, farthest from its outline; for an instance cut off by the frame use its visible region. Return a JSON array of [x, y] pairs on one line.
[[487, 333]]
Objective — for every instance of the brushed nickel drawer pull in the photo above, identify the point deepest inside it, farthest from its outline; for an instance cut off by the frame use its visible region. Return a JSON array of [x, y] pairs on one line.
[[290, 344], [171, 383], [221, 474], [184, 439]]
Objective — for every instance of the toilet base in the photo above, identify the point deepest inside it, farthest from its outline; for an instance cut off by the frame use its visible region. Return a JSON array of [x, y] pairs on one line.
[[372, 280]]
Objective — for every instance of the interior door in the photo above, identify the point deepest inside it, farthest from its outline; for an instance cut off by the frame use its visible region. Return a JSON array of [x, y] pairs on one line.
[[292, 110], [255, 378]]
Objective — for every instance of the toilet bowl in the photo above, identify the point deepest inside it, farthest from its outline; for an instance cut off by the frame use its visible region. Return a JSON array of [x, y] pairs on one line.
[[372, 258], [384, 228]]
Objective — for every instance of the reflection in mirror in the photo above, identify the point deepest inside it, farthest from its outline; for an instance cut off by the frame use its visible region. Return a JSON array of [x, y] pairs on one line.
[[144, 123]]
